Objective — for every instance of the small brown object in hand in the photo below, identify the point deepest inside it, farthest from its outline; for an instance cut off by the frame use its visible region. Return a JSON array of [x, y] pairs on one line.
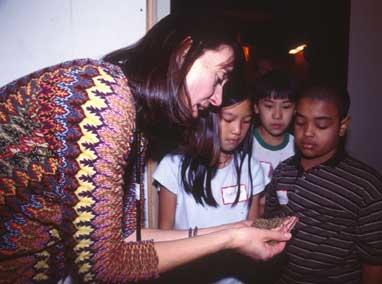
[[272, 223], [268, 224]]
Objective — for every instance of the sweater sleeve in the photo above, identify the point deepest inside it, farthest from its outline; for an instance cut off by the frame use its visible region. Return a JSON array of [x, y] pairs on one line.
[[66, 139], [105, 148]]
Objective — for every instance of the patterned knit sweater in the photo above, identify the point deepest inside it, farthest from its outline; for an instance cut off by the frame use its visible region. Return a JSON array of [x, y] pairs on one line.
[[66, 134]]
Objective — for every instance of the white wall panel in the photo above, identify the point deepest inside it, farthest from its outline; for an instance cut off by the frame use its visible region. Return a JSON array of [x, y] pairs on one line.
[[38, 33]]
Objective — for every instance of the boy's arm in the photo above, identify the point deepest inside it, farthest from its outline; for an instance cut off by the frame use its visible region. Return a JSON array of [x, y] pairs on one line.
[[253, 212], [261, 204], [371, 274], [167, 207], [369, 231]]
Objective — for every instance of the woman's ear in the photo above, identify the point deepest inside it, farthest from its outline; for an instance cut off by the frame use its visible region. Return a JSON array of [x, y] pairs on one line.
[[183, 49], [344, 125]]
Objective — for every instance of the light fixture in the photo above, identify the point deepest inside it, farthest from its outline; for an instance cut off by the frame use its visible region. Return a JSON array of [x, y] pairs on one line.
[[246, 52], [297, 49]]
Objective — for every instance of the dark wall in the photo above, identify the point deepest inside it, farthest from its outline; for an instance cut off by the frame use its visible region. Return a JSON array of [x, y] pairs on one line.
[[277, 26], [364, 84]]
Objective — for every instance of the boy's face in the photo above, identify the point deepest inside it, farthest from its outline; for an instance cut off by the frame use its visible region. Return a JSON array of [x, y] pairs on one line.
[[235, 121], [318, 129], [275, 114]]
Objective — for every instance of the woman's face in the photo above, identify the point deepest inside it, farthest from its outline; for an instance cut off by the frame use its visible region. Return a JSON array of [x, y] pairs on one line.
[[207, 76]]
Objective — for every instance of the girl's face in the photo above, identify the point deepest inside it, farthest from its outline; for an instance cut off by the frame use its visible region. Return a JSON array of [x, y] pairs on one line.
[[235, 121], [207, 76]]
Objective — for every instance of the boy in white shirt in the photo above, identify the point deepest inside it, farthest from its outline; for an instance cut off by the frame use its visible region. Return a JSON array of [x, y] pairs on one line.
[[274, 104]]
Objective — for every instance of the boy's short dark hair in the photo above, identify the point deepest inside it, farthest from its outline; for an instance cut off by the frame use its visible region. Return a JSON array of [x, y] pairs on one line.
[[328, 91], [275, 84]]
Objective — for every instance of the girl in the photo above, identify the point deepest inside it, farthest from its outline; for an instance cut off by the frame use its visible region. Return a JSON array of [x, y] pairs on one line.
[[195, 194]]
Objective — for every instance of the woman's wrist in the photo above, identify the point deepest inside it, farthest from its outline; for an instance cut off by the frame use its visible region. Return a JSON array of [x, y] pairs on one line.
[[235, 225], [231, 238]]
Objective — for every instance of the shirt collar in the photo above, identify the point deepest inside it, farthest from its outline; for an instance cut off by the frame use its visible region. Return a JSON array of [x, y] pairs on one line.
[[332, 162], [268, 146]]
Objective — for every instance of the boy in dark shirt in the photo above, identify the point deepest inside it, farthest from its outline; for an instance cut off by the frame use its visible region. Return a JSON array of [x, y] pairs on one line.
[[337, 198]]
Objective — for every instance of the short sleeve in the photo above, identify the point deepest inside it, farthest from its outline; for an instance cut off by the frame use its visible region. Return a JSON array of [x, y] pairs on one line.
[[259, 178], [167, 173], [369, 233]]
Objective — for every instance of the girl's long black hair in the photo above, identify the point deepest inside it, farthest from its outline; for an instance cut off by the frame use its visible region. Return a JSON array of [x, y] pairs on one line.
[[197, 171]]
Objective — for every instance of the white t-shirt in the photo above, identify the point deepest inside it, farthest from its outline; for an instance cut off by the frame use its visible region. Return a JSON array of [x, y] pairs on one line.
[[270, 156], [224, 189]]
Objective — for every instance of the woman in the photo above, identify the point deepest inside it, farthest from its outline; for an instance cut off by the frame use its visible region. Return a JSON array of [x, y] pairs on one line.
[[70, 154]]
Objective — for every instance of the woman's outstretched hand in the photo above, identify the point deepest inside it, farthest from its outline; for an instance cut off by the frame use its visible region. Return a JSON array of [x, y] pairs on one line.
[[263, 243], [175, 248], [258, 243]]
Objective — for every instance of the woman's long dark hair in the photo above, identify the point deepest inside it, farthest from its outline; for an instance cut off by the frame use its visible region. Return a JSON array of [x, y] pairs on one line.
[[156, 68], [197, 171]]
